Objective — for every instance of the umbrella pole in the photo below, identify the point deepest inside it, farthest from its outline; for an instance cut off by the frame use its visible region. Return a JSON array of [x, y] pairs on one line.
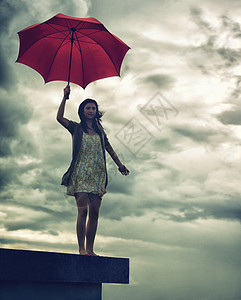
[[70, 57]]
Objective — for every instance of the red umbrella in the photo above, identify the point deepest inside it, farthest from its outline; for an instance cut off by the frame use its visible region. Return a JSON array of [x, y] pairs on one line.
[[78, 50]]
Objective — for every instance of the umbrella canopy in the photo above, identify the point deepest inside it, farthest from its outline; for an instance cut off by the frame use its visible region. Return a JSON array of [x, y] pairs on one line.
[[77, 50]]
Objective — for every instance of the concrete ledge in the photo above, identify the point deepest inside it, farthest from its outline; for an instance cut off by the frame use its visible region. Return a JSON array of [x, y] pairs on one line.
[[21, 290], [38, 266]]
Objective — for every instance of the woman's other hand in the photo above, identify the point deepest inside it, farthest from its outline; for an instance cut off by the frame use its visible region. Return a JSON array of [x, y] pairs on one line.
[[124, 170]]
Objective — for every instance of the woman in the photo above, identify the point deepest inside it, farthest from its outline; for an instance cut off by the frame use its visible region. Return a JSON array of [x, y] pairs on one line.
[[86, 178]]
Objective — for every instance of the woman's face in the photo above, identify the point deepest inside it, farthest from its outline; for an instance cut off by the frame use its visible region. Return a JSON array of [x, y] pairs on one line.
[[90, 111]]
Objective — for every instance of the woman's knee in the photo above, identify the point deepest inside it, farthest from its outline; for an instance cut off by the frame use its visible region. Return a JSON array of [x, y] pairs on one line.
[[94, 213], [94, 208], [81, 202], [82, 212]]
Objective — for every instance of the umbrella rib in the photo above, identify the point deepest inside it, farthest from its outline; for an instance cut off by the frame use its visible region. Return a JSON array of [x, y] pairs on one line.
[[61, 45], [43, 37], [57, 30], [88, 35], [81, 28], [68, 26], [79, 48], [53, 37], [67, 23], [104, 50], [81, 25]]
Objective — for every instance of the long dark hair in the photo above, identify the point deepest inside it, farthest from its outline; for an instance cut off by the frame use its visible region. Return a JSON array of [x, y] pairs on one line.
[[97, 118]]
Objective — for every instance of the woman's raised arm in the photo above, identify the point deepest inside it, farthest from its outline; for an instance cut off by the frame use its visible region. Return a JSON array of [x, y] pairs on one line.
[[60, 114]]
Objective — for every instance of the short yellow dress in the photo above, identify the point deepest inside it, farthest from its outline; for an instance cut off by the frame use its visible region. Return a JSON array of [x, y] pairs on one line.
[[89, 173]]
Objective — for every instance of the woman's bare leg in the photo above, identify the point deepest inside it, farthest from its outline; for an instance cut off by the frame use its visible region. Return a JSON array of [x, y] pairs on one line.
[[81, 201], [94, 208]]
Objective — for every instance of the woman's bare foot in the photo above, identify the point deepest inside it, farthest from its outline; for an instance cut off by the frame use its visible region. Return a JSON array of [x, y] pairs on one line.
[[82, 252], [91, 253]]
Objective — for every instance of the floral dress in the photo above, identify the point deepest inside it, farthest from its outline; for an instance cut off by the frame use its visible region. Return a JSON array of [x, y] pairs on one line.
[[89, 173]]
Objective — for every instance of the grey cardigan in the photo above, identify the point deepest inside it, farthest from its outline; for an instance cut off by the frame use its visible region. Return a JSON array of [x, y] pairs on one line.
[[77, 135]]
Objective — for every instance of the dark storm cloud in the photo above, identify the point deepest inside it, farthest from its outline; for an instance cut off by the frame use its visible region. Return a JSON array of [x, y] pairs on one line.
[[6, 75], [38, 224], [191, 211], [27, 12], [46, 179], [218, 211], [197, 16], [118, 8], [42, 244], [9, 10], [159, 81], [117, 186], [196, 133], [44, 216], [15, 139], [117, 208], [230, 117], [13, 113], [163, 144], [117, 183], [232, 25], [35, 225], [213, 53], [7, 175]]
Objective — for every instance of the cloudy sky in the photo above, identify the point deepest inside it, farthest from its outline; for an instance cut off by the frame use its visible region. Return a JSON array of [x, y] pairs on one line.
[[173, 117]]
